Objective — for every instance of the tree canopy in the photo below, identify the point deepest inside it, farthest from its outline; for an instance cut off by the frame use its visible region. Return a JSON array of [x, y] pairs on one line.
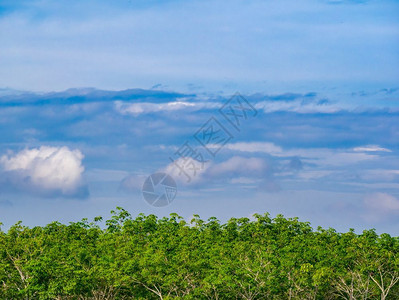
[[146, 257]]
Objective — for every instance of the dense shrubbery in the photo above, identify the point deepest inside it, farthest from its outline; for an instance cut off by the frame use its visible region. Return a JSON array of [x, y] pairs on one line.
[[150, 258]]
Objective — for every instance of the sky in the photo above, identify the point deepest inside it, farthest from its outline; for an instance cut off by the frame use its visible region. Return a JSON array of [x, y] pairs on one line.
[[95, 96]]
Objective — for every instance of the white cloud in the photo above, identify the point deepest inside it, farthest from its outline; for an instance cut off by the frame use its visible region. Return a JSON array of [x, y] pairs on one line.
[[322, 156], [239, 166], [237, 170], [255, 147], [44, 171], [371, 148], [148, 107], [333, 157], [134, 182], [186, 170], [244, 170], [297, 106]]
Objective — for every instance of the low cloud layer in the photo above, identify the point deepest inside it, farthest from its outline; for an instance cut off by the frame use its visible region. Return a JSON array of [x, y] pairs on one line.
[[282, 154], [44, 171], [253, 171]]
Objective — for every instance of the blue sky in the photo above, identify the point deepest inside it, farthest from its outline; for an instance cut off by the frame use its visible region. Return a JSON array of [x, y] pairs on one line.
[[97, 95]]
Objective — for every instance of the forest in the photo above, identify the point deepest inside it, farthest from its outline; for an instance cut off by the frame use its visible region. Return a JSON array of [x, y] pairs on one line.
[[148, 257]]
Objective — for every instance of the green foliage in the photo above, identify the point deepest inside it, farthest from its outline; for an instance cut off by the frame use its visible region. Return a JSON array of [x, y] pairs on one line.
[[167, 258]]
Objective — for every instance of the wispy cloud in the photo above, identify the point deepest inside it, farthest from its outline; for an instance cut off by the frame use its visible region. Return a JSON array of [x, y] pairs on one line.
[[136, 109], [371, 148], [264, 147]]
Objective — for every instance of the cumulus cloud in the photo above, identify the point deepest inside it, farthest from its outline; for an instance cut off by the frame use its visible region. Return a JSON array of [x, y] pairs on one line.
[[44, 171]]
